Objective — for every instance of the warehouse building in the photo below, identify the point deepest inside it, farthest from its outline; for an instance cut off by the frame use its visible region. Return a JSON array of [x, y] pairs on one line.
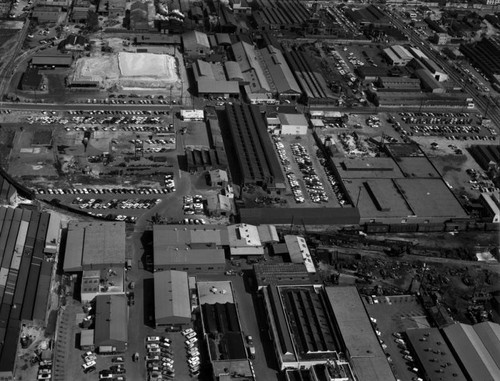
[[310, 79], [211, 80], [172, 301], [221, 325], [484, 54], [51, 58], [370, 15], [293, 124], [359, 341], [306, 216], [244, 240], [195, 44], [398, 55], [435, 358], [109, 281], [255, 154], [25, 276], [477, 348], [285, 273], [299, 252], [486, 155], [190, 248], [94, 245], [491, 205], [398, 84], [111, 324], [46, 14], [429, 83], [279, 15], [301, 328]]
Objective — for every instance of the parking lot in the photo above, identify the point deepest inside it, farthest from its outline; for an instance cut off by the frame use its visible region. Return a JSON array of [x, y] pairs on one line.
[[307, 178], [404, 312]]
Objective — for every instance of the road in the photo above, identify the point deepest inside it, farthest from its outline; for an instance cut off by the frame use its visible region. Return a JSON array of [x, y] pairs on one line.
[[8, 69], [482, 103]]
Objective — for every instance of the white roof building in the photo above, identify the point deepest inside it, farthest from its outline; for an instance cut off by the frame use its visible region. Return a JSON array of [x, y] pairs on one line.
[[299, 251]]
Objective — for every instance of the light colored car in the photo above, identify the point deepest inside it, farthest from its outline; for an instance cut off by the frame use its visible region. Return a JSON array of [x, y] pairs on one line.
[[153, 339]]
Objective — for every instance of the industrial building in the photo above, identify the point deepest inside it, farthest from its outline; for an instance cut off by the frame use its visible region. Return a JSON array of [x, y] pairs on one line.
[[172, 299], [211, 80], [109, 281], [8, 192], [191, 248], [25, 275], [49, 58], [402, 188], [435, 358], [111, 324], [302, 216], [279, 15], [195, 44], [46, 14], [398, 55], [484, 54], [293, 124], [429, 82], [311, 81], [477, 349], [369, 15], [491, 205], [359, 341], [282, 274], [299, 252], [486, 156], [300, 326], [221, 324], [94, 245], [397, 84], [256, 158]]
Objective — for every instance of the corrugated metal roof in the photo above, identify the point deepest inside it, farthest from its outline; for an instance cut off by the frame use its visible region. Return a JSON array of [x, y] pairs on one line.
[[111, 320], [233, 70], [171, 296], [207, 86], [471, 352], [52, 60]]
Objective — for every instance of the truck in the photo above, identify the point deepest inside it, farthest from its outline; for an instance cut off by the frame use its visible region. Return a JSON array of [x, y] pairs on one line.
[[251, 352]]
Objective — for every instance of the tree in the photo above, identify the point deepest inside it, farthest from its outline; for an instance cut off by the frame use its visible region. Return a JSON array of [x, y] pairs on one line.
[[92, 21]]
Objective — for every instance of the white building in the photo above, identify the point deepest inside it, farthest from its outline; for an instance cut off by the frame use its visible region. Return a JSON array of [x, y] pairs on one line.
[[293, 124], [192, 115], [299, 251]]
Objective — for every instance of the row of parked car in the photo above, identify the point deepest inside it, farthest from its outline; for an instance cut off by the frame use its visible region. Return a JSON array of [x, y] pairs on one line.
[[143, 191], [193, 205], [292, 178], [45, 370], [160, 358], [192, 351], [134, 203], [312, 181]]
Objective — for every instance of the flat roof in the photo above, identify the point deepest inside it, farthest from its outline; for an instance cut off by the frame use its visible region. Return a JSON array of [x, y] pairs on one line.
[[188, 244], [361, 168], [293, 119], [52, 60], [434, 355], [283, 274], [171, 295], [471, 352], [363, 347], [431, 197], [306, 216], [93, 244], [215, 292], [417, 167]]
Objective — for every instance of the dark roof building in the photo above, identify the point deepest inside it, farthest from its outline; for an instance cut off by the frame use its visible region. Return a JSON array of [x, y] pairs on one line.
[[256, 157], [307, 216], [281, 274], [434, 356], [51, 58], [46, 14], [172, 301], [111, 323], [359, 341], [485, 54], [310, 79], [139, 14], [31, 79], [301, 327]]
